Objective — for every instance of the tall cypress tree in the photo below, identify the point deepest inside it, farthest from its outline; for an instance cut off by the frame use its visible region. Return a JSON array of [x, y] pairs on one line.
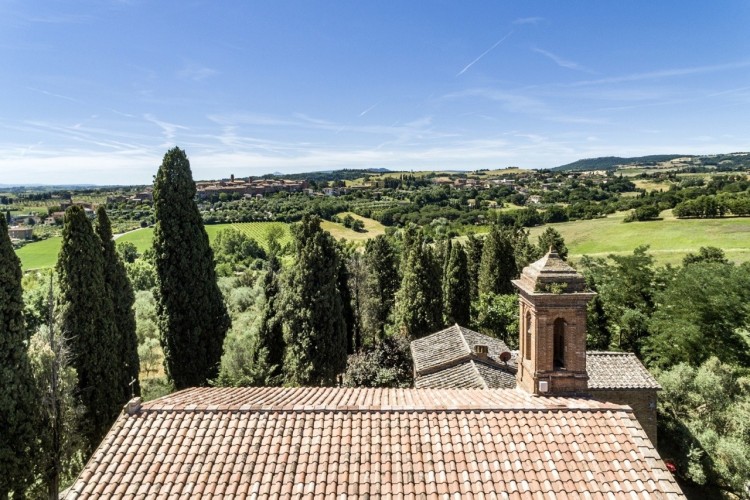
[[122, 297], [353, 338], [498, 265], [382, 283], [552, 238], [18, 400], [193, 318], [456, 294], [418, 301], [87, 321], [270, 335], [314, 327], [474, 258]]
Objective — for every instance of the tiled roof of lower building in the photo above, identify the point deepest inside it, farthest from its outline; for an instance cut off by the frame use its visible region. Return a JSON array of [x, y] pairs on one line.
[[618, 370], [454, 345], [437, 366], [410, 443]]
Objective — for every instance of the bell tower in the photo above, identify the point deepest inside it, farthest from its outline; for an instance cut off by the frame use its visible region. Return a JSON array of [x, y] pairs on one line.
[[552, 302]]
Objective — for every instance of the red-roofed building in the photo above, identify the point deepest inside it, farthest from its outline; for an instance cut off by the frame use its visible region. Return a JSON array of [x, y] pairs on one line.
[[545, 438], [374, 443]]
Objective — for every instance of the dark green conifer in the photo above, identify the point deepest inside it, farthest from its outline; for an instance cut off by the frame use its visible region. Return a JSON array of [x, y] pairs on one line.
[[87, 322], [551, 238], [456, 294], [498, 265], [314, 327], [382, 283], [18, 399], [474, 258], [271, 335], [123, 298], [353, 338], [193, 318], [418, 301]]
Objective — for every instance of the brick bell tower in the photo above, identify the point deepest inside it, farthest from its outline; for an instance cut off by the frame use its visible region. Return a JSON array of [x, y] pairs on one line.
[[552, 301]]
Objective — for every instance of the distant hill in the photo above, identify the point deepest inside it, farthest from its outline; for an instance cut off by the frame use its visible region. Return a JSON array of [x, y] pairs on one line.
[[723, 162], [612, 162]]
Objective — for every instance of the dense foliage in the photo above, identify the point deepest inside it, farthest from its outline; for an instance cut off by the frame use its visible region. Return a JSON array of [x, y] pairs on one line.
[[314, 328], [193, 319], [121, 294], [18, 399], [87, 323]]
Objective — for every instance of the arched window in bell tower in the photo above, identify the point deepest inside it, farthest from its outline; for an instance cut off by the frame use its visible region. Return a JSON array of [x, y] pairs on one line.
[[527, 343], [559, 344]]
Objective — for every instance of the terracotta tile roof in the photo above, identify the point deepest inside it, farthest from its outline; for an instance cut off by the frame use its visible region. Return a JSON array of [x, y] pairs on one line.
[[445, 360], [496, 377], [618, 370], [462, 375], [453, 345], [409, 443]]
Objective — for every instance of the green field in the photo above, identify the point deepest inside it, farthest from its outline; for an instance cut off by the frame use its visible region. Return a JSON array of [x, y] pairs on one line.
[[669, 239], [39, 254], [259, 231], [373, 228], [44, 253]]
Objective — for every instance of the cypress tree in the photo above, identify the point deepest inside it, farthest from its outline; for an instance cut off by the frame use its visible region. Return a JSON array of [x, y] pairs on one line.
[[382, 283], [314, 327], [122, 297], [456, 299], [87, 321], [193, 318], [353, 340], [444, 257], [498, 264], [524, 251], [418, 301], [474, 258], [270, 335], [552, 238], [18, 399]]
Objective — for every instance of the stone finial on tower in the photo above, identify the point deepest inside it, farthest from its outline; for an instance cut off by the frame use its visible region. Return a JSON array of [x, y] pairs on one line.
[[552, 305]]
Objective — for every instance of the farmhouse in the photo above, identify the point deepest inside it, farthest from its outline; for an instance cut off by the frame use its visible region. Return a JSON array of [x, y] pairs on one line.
[[20, 232]]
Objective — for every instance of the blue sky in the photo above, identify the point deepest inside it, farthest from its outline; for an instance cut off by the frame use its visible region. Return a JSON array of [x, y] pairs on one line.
[[97, 91]]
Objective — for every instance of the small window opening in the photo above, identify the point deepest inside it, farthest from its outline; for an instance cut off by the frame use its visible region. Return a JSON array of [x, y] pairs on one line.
[[527, 346], [559, 344]]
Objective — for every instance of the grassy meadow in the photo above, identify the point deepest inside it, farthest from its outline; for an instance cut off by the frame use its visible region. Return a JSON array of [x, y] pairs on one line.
[[373, 228], [669, 239], [39, 254], [43, 254]]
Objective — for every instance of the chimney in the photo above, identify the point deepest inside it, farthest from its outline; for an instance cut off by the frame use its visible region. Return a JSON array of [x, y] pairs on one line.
[[133, 406], [481, 351]]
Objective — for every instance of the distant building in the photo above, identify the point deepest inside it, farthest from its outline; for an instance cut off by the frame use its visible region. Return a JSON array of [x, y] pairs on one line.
[[243, 187], [20, 233]]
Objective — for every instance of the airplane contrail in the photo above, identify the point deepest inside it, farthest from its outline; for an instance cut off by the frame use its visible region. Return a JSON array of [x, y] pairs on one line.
[[472, 63]]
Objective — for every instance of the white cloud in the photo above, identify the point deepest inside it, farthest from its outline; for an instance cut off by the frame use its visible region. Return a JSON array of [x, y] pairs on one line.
[[563, 63], [196, 72]]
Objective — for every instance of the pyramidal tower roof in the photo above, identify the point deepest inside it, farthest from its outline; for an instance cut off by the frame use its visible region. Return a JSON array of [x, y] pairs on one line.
[[551, 274]]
